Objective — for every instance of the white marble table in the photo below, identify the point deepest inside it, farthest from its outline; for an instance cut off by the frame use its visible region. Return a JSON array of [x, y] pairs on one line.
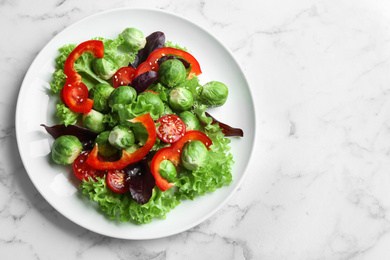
[[319, 184]]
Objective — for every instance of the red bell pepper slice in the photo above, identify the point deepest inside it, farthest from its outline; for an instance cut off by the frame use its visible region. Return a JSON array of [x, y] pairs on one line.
[[144, 67], [127, 158], [173, 153], [123, 77], [75, 93], [151, 62]]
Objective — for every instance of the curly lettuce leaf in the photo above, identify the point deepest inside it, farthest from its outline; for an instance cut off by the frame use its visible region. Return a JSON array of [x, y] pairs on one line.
[[64, 53], [111, 203], [67, 116], [58, 81], [157, 207], [161, 90], [213, 174], [111, 119], [173, 45], [216, 171], [122, 206]]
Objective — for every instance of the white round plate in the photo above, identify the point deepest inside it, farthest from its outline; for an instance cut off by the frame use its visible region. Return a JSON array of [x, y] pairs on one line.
[[36, 106]]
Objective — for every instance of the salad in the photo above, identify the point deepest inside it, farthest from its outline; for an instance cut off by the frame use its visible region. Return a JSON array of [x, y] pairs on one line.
[[133, 125]]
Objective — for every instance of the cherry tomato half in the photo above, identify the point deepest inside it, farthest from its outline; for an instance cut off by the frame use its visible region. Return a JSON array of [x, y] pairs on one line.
[[75, 95], [83, 170], [171, 128], [116, 180], [123, 77]]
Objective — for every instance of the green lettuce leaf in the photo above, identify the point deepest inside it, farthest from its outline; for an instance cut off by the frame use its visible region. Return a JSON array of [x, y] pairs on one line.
[[176, 46], [64, 53], [216, 171], [200, 111], [111, 49], [146, 103], [111, 119], [213, 174], [122, 206], [67, 116], [58, 81], [161, 90], [193, 86]]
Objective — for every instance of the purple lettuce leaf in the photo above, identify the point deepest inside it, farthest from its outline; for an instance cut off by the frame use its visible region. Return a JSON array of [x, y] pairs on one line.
[[153, 41], [141, 181], [143, 81], [226, 129], [86, 136]]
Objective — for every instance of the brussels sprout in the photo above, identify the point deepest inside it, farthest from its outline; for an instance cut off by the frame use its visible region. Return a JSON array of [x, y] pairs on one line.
[[214, 94], [121, 137], [193, 155], [93, 120], [172, 72], [100, 94], [190, 120], [134, 39], [105, 67], [168, 170], [181, 99], [123, 95], [65, 149], [105, 148]]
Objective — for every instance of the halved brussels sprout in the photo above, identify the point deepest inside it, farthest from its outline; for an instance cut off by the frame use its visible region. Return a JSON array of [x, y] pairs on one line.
[[121, 137], [94, 121], [134, 39], [193, 155], [100, 94], [214, 94], [168, 170], [181, 99], [105, 148], [190, 120], [105, 67], [123, 95], [172, 72], [65, 149]]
